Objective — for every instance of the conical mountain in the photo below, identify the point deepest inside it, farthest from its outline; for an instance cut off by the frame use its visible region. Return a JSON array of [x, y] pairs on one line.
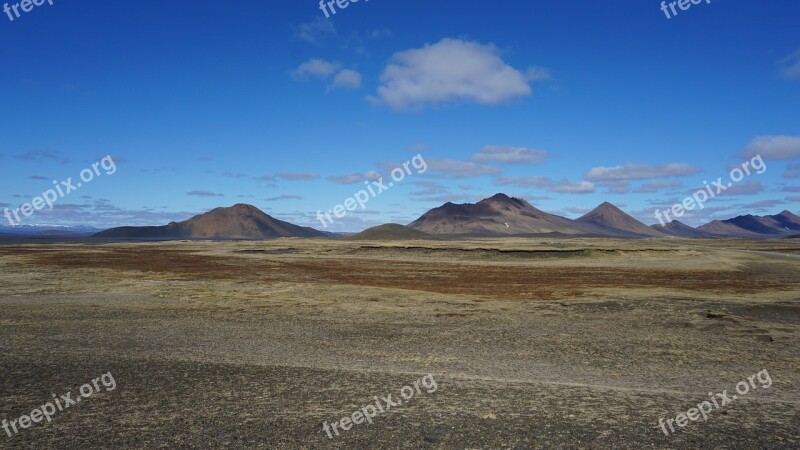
[[236, 222], [610, 217]]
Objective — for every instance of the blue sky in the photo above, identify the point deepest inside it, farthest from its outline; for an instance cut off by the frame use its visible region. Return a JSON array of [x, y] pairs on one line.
[[567, 104]]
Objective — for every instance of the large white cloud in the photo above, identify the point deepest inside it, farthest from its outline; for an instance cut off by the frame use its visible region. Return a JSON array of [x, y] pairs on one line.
[[452, 70], [773, 147]]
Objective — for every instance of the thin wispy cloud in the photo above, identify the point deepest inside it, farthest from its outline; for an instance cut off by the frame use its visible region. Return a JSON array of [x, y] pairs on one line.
[[43, 155], [297, 176], [509, 155], [460, 169], [203, 194], [315, 31], [568, 187], [632, 171], [652, 187], [354, 178], [790, 66], [284, 197], [315, 68], [523, 181], [751, 187]]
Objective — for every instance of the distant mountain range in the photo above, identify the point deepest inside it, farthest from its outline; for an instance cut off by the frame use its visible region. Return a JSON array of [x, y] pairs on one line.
[[48, 231], [504, 215], [779, 225], [499, 215], [680, 229]]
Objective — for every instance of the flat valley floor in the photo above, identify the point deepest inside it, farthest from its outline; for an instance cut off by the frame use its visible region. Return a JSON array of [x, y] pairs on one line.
[[533, 343]]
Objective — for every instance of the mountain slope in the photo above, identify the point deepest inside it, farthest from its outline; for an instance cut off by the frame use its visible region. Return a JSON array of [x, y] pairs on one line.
[[610, 217], [236, 222]]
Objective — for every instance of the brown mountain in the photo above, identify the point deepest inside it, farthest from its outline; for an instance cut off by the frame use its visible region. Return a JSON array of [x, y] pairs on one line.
[[504, 215], [679, 229], [608, 216], [236, 222], [750, 226], [497, 215]]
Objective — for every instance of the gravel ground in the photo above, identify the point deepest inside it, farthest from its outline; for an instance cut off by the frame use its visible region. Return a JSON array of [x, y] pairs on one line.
[[202, 358]]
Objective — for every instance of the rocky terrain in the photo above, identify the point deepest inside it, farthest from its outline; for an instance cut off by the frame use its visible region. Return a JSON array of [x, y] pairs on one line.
[[534, 343]]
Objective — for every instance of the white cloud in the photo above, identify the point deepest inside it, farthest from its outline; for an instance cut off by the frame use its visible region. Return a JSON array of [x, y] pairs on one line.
[[203, 194], [567, 187], [347, 79], [314, 30], [320, 68], [316, 68], [538, 74], [746, 188], [633, 171], [355, 177], [294, 176], [458, 169], [655, 186], [451, 70], [283, 197], [524, 181], [509, 155], [792, 171], [773, 147], [616, 186], [430, 188], [791, 66]]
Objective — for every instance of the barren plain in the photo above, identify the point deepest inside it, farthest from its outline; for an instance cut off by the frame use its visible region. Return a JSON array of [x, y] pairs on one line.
[[534, 343]]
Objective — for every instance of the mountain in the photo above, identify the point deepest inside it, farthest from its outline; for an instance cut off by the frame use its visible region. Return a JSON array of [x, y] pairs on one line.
[[497, 215], [390, 231], [750, 226], [608, 216], [236, 222], [680, 229], [36, 230], [504, 215]]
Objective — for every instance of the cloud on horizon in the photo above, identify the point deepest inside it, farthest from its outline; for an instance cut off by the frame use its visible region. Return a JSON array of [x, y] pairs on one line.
[[509, 155], [203, 194], [633, 171]]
